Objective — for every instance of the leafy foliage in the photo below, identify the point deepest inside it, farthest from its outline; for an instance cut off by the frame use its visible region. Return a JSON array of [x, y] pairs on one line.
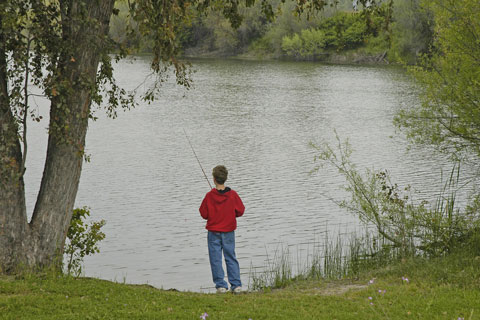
[[431, 229], [449, 115], [82, 240], [210, 32], [412, 30], [342, 31], [38, 52]]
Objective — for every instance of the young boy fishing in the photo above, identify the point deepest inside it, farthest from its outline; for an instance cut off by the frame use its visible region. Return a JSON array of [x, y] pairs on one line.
[[221, 207]]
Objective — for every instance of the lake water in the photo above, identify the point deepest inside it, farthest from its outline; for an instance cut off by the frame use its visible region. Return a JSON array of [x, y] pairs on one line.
[[256, 118]]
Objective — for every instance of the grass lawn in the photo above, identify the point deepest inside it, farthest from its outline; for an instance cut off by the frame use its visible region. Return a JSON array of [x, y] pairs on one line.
[[428, 294]]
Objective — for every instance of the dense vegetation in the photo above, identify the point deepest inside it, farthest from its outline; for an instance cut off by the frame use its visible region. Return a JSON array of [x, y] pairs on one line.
[[343, 31], [400, 30], [449, 115]]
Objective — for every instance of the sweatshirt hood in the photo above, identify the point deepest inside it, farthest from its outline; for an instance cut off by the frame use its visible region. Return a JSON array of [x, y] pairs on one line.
[[221, 196]]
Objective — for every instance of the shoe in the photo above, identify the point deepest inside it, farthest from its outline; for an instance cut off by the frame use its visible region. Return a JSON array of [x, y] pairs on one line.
[[221, 290], [237, 290]]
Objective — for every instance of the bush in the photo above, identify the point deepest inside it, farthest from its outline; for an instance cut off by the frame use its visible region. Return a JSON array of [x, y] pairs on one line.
[[313, 42], [293, 46], [339, 32], [413, 227], [82, 240], [354, 34]]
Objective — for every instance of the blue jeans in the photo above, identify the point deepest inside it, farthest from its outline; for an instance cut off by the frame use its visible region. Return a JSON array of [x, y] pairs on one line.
[[218, 242]]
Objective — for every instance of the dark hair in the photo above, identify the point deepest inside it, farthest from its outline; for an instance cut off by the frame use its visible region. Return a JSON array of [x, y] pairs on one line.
[[220, 173]]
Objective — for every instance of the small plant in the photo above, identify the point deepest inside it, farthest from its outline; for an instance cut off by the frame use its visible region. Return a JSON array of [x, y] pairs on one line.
[[276, 274], [82, 240]]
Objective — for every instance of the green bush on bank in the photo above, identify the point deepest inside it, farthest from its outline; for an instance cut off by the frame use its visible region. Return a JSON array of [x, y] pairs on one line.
[[412, 227], [343, 31], [82, 240], [308, 45]]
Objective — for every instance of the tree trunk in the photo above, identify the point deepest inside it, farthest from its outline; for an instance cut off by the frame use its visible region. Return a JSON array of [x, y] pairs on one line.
[[13, 220], [40, 242]]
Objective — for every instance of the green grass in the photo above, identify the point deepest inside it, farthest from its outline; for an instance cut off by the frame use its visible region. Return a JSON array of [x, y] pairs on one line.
[[442, 288]]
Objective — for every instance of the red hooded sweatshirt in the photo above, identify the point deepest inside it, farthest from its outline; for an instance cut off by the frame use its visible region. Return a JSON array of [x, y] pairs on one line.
[[221, 209]]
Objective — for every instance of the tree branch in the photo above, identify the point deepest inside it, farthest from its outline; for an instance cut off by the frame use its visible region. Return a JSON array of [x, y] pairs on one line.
[[25, 106]]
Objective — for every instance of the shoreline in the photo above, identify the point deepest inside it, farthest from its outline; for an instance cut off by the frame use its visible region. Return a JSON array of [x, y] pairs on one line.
[[349, 57]]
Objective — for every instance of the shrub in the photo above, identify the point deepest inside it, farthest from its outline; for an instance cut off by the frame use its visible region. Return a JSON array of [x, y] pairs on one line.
[[313, 42], [82, 240], [354, 34], [413, 227], [342, 31], [293, 46]]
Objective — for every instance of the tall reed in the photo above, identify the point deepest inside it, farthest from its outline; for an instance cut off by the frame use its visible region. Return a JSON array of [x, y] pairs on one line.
[[339, 258]]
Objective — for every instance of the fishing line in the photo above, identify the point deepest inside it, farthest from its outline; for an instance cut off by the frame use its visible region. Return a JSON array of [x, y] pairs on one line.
[[195, 154]]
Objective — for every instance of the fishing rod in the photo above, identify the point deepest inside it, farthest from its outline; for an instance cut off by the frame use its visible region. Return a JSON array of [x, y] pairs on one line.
[[197, 158]]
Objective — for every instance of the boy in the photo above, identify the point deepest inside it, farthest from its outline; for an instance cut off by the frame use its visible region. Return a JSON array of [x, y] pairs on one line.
[[221, 207]]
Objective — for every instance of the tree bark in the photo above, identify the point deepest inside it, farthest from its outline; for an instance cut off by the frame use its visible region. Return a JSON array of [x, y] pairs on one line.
[[13, 220], [40, 242]]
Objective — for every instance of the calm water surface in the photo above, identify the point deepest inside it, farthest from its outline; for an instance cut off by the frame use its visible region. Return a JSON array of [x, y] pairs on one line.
[[258, 119]]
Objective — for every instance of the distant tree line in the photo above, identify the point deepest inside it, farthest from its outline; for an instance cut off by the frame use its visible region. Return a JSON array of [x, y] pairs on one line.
[[401, 28]]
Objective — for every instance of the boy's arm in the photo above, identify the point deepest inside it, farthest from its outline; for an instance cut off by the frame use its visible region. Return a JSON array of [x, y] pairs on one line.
[[239, 207], [204, 209]]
